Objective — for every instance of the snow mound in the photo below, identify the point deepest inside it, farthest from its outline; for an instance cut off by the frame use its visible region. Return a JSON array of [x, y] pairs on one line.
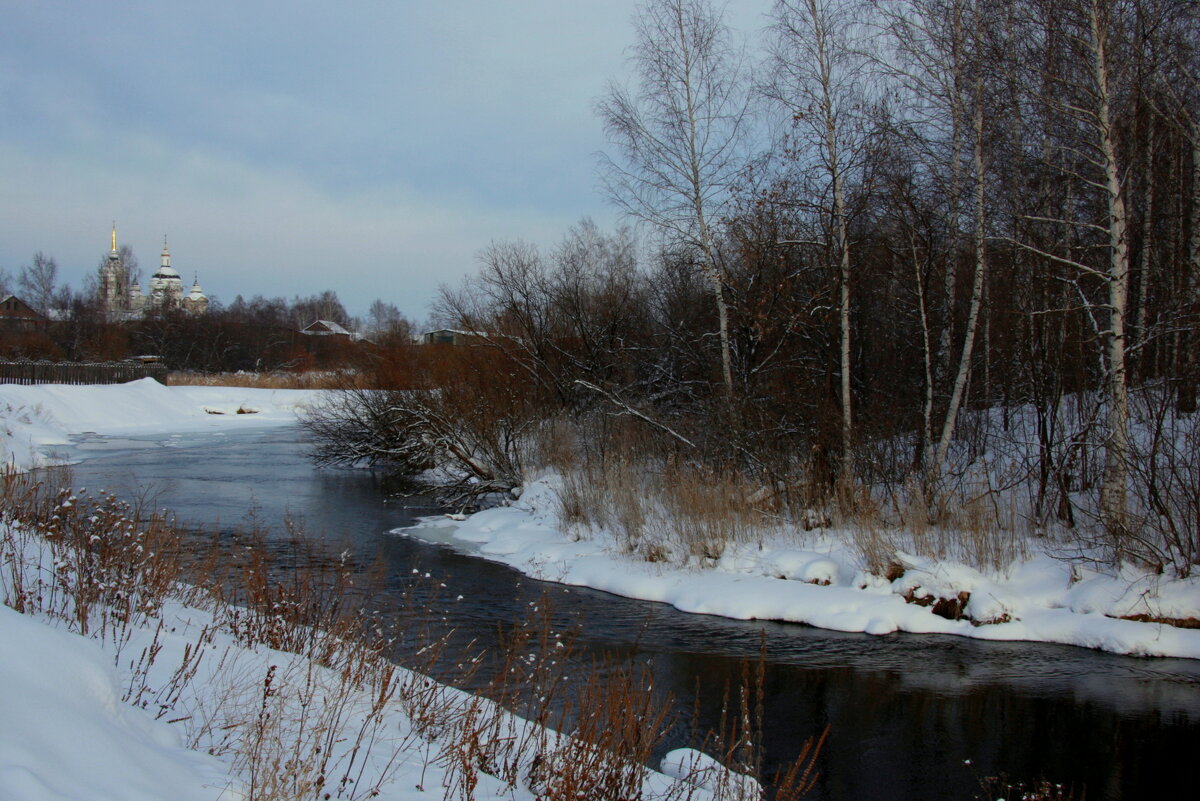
[[35, 421], [76, 740]]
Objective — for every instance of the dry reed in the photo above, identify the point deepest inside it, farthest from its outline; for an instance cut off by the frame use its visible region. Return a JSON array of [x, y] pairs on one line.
[[300, 696], [313, 379]]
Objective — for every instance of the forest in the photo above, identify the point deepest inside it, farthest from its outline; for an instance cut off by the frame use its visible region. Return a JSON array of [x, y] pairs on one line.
[[931, 262]]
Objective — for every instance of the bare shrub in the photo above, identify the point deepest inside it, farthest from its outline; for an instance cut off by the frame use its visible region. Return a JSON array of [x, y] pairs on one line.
[[876, 549], [469, 420], [710, 510], [1165, 474]]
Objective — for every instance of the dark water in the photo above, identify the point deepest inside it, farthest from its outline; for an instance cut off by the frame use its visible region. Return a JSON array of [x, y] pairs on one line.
[[906, 711]]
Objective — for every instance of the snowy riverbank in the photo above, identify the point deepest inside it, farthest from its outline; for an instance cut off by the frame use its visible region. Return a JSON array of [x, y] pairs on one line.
[[818, 578], [44, 424], [166, 697], [812, 577], [174, 705]]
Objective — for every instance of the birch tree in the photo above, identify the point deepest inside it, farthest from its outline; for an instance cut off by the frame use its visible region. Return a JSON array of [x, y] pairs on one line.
[[818, 76], [680, 135], [38, 281], [975, 101], [1081, 96], [926, 63]]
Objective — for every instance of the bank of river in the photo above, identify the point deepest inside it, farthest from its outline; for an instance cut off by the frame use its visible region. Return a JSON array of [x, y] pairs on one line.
[[907, 712]]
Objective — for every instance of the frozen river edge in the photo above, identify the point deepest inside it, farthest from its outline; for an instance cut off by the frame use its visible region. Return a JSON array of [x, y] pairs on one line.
[[815, 578]]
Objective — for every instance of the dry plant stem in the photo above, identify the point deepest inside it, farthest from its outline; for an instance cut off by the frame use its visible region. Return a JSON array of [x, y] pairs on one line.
[[306, 717]]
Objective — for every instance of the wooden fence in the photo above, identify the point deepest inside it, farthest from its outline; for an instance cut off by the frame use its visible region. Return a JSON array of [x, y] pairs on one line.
[[78, 372]]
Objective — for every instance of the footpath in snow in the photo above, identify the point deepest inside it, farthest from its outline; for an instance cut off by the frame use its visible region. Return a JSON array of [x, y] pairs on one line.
[[820, 581]]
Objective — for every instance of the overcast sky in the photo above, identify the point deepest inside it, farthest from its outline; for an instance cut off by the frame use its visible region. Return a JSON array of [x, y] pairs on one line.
[[372, 148]]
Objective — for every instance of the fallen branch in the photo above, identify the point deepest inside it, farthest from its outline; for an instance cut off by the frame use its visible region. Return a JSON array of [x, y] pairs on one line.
[[627, 409]]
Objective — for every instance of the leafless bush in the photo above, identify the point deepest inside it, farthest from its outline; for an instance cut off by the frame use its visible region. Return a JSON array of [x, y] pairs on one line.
[[98, 563], [1165, 474], [474, 449]]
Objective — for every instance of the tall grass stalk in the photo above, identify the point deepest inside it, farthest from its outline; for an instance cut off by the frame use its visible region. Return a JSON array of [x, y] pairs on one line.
[[285, 674]]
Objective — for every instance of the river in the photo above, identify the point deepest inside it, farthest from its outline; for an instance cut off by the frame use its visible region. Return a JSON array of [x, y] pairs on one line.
[[910, 716]]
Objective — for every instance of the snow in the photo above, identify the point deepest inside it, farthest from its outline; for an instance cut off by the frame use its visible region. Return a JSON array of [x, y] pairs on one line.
[[703, 772], [39, 423], [68, 735], [85, 745], [88, 719], [818, 580], [823, 583]]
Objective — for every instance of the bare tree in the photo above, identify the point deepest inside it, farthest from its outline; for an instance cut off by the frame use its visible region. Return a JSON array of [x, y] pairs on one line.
[[681, 135], [972, 59], [386, 322], [324, 306], [38, 281], [1082, 87], [819, 77]]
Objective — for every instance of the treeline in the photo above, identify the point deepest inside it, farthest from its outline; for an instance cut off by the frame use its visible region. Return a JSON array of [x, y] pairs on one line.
[[973, 219], [260, 334]]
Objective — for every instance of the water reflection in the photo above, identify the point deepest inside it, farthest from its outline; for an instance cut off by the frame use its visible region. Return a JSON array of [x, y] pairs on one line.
[[907, 711]]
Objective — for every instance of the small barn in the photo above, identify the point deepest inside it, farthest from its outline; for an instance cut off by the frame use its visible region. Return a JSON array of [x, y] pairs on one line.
[[326, 328], [17, 315], [450, 336]]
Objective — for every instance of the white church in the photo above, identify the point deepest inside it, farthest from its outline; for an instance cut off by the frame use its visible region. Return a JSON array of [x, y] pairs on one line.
[[123, 298]]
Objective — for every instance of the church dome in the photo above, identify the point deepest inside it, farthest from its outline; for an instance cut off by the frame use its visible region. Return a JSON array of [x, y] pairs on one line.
[[165, 270]]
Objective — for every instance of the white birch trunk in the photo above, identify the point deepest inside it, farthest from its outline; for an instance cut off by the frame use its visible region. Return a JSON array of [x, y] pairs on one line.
[[964, 362], [712, 268], [1113, 493], [841, 235], [927, 410]]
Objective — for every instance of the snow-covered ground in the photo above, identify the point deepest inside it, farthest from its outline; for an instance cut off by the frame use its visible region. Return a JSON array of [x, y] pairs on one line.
[[67, 736], [95, 719], [108, 718], [39, 425], [818, 578], [805, 577]]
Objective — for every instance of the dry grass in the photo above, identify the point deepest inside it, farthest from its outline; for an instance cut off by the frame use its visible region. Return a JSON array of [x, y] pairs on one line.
[[663, 510], [314, 379], [678, 512], [290, 679]]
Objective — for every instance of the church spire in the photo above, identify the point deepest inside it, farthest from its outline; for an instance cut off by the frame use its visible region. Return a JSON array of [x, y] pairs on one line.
[[114, 237], [166, 253]]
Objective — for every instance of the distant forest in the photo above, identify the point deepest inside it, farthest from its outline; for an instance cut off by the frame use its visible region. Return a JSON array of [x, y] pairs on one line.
[[259, 334]]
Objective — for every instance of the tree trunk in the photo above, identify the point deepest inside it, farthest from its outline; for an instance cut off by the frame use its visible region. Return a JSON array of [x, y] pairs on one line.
[[1189, 375], [1113, 494], [964, 362], [946, 339], [1145, 260]]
